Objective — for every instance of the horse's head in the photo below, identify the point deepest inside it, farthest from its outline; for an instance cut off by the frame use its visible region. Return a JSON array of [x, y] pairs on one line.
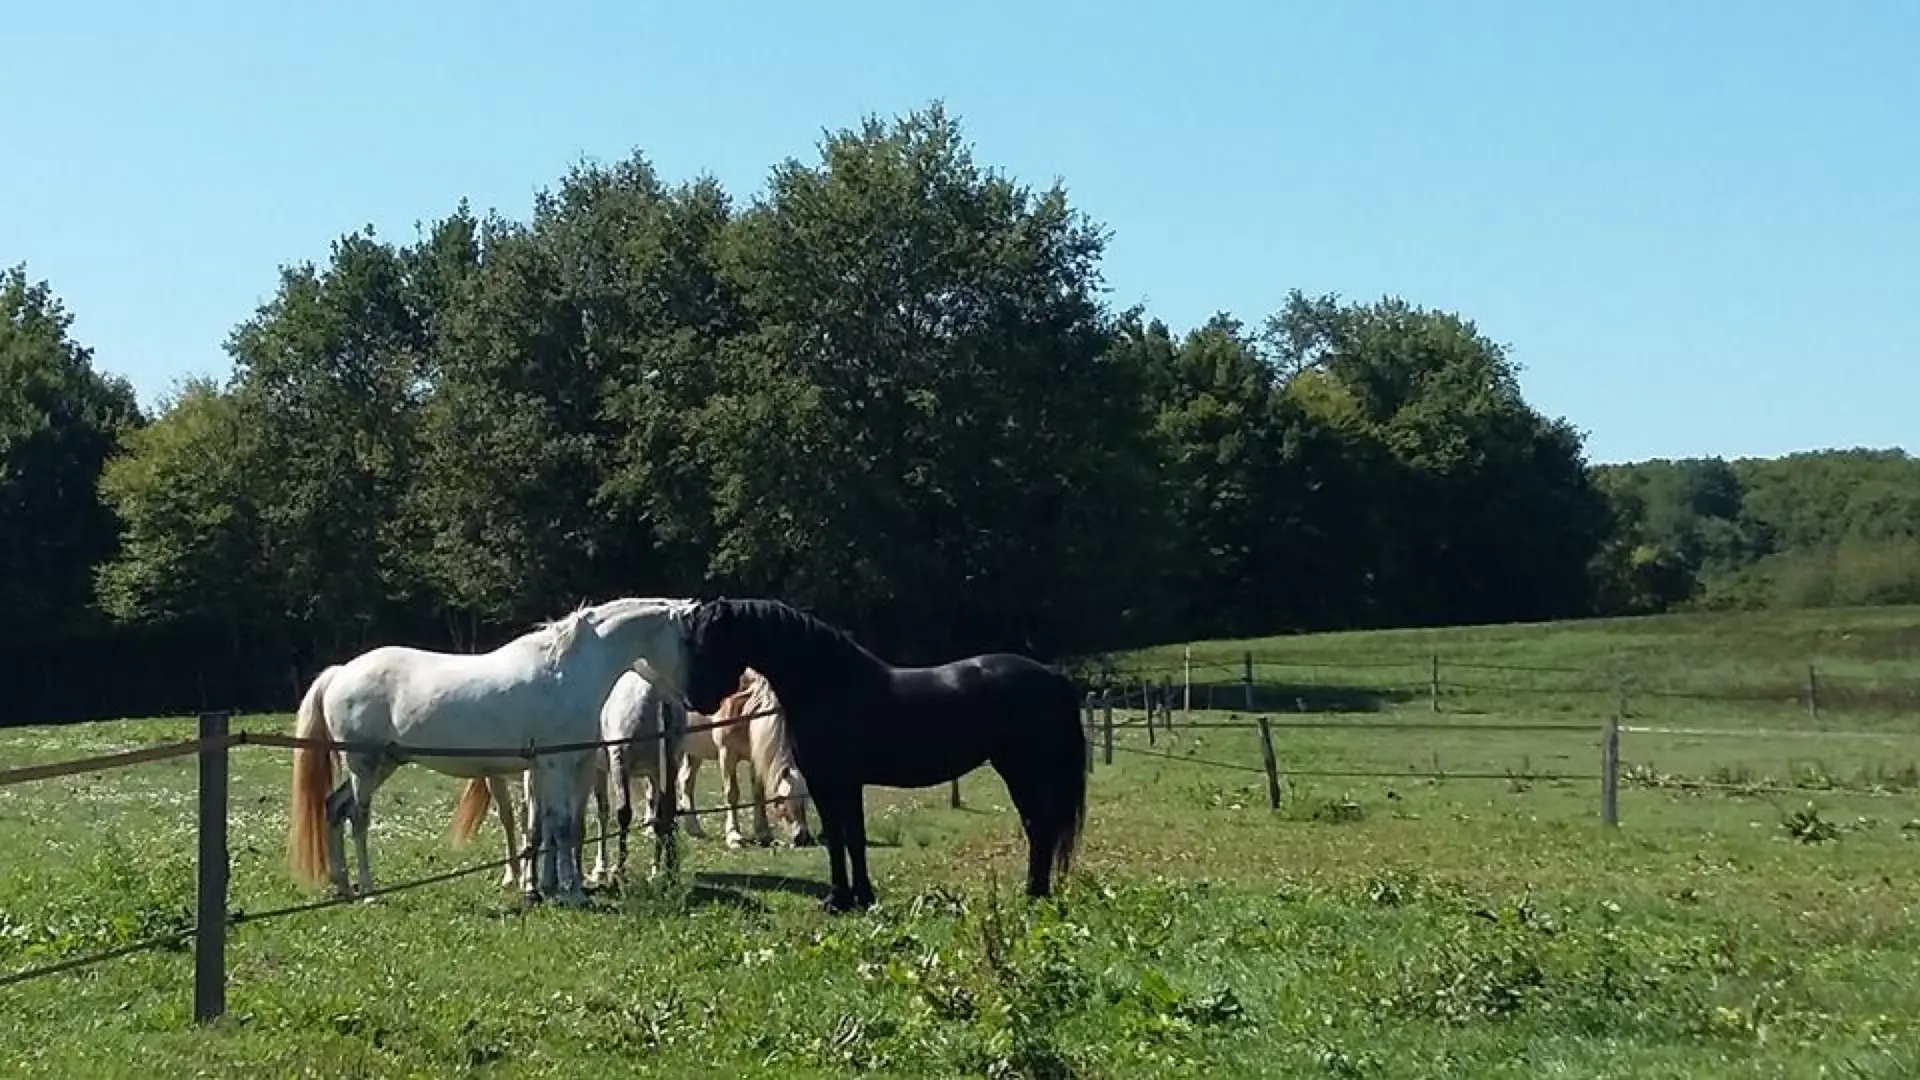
[[715, 656], [790, 798]]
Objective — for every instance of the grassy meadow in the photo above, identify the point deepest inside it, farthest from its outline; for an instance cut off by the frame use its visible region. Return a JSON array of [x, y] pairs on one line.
[[1752, 916]]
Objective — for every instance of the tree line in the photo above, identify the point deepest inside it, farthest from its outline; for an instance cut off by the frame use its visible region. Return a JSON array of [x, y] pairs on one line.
[[888, 389]]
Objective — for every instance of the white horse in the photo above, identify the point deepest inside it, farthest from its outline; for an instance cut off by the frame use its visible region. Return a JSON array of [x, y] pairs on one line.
[[761, 740], [545, 687], [632, 722], [636, 721]]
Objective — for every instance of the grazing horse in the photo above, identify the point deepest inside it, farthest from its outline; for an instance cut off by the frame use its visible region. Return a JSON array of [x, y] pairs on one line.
[[857, 720], [542, 688], [761, 741]]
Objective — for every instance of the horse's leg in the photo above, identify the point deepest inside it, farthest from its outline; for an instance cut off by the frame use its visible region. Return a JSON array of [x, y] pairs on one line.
[[365, 778], [683, 799], [339, 809], [620, 775], [1037, 820], [558, 803], [501, 788], [833, 803], [530, 846], [537, 880], [730, 791], [602, 871], [762, 828], [855, 832], [585, 771]]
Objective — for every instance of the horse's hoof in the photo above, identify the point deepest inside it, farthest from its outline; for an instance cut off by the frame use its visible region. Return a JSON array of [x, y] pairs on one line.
[[370, 899], [840, 902], [735, 840], [804, 839]]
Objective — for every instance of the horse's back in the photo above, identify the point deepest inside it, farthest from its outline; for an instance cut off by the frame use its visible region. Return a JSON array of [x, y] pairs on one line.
[[419, 697], [997, 678], [624, 711]]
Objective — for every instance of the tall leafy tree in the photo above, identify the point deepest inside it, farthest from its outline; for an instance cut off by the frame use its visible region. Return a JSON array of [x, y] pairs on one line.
[[334, 369], [60, 420], [1488, 512], [922, 416], [187, 490]]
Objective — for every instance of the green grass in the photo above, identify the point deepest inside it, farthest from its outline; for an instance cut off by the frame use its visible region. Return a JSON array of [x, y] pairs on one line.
[[1393, 926]]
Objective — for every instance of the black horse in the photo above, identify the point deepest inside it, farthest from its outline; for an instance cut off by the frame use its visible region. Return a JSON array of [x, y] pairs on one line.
[[856, 720]]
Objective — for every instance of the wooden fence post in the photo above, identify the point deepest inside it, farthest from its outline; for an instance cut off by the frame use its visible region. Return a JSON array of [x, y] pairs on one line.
[[1166, 704], [1433, 683], [1272, 763], [210, 908], [1086, 725], [1246, 676], [1106, 725], [1186, 681], [1813, 695], [953, 793], [1610, 772]]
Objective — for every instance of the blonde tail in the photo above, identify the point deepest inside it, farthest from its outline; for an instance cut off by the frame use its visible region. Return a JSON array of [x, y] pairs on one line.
[[476, 798], [307, 838]]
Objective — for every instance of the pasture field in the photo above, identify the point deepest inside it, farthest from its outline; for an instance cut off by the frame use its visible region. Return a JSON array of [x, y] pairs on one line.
[[1752, 916]]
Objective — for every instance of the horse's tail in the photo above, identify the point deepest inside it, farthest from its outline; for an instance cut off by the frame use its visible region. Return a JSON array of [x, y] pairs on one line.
[[1073, 777], [308, 849], [476, 798]]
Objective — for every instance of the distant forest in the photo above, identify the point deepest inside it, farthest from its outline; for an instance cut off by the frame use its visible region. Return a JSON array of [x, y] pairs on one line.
[[1823, 529]]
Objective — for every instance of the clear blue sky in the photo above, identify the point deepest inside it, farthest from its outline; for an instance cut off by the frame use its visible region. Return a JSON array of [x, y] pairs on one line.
[[1697, 224]]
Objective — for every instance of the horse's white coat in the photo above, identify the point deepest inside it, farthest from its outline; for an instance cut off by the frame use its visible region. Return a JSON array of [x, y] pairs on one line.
[[545, 687]]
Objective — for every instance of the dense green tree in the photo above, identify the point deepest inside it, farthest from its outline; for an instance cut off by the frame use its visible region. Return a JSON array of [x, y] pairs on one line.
[[188, 494], [60, 420], [922, 419], [1486, 511]]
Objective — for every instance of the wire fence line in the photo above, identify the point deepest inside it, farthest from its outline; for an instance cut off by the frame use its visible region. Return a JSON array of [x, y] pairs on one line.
[[212, 747], [189, 747], [1200, 676], [1154, 703]]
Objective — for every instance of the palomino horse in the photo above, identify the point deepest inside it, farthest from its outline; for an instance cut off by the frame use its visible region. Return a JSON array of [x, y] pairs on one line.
[[542, 688], [753, 730], [856, 720]]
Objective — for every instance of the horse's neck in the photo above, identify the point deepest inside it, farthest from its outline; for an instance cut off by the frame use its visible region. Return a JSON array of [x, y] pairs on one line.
[[801, 669]]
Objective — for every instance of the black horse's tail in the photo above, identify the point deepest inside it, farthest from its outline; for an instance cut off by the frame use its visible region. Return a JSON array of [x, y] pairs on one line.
[[1073, 777]]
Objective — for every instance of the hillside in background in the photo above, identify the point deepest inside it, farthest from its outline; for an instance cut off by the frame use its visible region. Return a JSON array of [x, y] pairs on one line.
[[1823, 529]]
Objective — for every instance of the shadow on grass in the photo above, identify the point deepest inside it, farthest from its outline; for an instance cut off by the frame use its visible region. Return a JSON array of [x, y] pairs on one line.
[[732, 881]]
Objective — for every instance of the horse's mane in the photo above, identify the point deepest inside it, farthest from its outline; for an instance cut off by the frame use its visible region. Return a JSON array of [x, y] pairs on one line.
[[767, 732], [772, 621], [557, 636]]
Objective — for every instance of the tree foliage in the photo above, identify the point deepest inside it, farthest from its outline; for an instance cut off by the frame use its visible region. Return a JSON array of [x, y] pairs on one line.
[[889, 388], [59, 422]]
